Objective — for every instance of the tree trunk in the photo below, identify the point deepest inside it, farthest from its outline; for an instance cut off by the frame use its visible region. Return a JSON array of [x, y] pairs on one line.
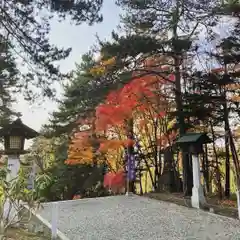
[[187, 170], [206, 169], [140, 183], [218, 175], [237, 168], [130, 151], [227, 152], [169, 180], [238, 200], [156, 156]]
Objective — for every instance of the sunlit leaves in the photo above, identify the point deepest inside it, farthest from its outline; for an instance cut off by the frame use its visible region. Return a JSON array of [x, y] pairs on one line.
[[138, 95], [114, 144], [103, 67]]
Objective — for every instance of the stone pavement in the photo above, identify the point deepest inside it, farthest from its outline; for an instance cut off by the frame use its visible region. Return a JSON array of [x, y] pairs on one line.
[[138, 218]]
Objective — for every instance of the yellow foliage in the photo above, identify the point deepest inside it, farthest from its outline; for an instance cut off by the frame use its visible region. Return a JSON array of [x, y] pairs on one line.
[[103, 67], [114, 160], [88, 154], [171, 124], [113, 144], [98, 71], [109, 62]]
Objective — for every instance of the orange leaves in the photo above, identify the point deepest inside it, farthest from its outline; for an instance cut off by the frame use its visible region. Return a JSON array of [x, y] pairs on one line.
[[111, 115], [115, 144], [79, 156], [235, 98], [233, 86], [136, 96], [111, 144], [80, 150], [141, 98], [84, 148]]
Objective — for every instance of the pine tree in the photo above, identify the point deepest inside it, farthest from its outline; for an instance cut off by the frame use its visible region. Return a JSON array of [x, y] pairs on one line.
[[8, 83], [25, 26], [79, 99]]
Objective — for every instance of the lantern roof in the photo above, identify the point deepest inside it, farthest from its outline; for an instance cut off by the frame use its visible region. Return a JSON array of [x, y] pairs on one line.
[[194, 138], [18, 128]]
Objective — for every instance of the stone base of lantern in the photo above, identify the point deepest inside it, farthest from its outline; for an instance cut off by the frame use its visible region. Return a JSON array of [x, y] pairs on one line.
[[11, 209], [198, 199]]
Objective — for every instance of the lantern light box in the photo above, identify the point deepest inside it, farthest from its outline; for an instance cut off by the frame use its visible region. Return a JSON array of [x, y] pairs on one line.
[[14, 135]]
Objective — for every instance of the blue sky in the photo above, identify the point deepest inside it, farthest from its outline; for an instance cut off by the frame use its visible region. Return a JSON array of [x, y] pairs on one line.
[[80, 39]]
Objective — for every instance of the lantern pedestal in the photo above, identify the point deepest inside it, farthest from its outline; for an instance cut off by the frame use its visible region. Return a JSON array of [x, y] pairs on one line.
[[197, 199], [13, 166]]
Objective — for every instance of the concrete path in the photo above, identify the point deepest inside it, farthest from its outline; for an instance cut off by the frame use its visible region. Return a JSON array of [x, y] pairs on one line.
[[138, 218]]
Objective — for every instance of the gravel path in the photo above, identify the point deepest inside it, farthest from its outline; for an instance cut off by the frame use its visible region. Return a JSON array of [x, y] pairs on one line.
[[138, 218]]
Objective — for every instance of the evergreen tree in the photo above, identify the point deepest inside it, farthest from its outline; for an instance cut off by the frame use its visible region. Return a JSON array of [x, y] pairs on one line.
[[8, 83], [79, 99], [25, 26]]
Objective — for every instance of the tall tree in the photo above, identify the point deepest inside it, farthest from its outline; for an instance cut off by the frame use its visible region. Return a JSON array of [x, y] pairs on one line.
[[229, 58], [8, 83], [25, 25]]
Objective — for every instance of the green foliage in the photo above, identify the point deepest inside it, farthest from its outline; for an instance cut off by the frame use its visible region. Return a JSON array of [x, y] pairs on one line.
[[59, 181], [13, 194], [9, 78], [25, 27], [158, 17], [80, 98], [132, 45], [15, 189]]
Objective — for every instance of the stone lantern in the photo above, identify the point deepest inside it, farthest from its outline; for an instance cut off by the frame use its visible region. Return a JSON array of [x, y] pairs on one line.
[[14, 135], [192, 143]]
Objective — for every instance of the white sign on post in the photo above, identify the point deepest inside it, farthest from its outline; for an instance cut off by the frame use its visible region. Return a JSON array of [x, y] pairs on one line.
[[54, 220]]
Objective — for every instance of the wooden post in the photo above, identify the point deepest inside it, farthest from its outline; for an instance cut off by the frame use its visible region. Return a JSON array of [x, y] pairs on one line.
[[197, 199], [127, 192], [238, 202], [54, 220]]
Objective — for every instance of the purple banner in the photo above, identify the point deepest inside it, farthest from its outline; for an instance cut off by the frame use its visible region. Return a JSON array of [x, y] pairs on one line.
[[131, 168]]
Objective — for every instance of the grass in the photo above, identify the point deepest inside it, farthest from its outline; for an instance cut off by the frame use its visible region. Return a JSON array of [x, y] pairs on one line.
[[224, 207], [22, 234]]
